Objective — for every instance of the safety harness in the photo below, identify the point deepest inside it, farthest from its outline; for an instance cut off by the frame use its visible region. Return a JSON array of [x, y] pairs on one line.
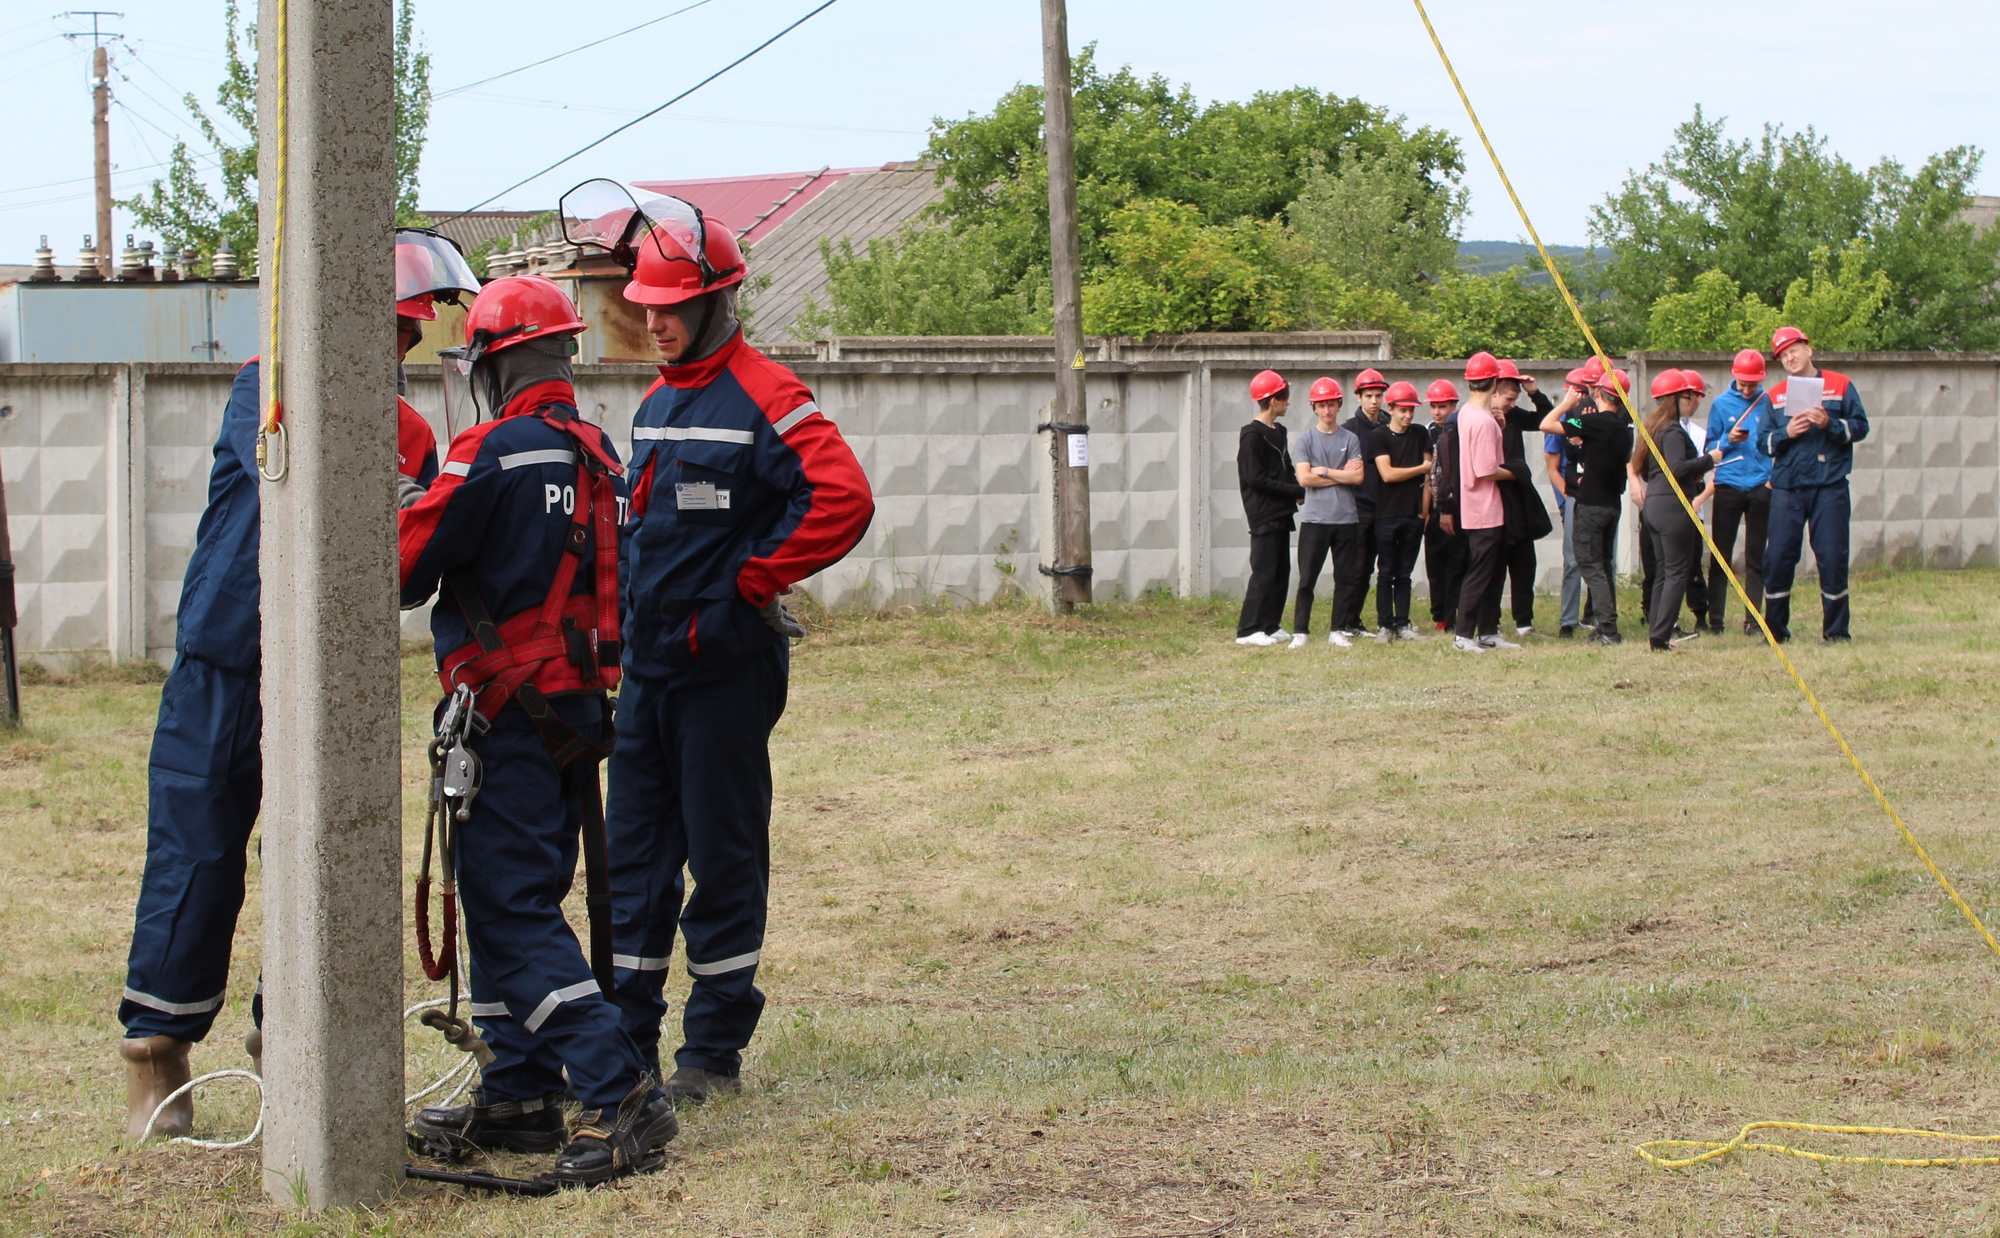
[[567, 644]]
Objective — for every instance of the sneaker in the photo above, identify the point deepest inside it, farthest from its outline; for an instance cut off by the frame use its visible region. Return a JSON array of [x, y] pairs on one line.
[[611, 1143], [1408, 632], [1497, 642], [1256, 640], [1298, 642], [1340, 640], [1380, 635], [1525, 629], [1467, 645], [1279, 637], [1682, 635], [1567, 631], [1440, 625], [1606, 638]]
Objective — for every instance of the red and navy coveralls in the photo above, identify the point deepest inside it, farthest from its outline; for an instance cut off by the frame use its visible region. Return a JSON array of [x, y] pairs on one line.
[[498, 520], [1809, 491], [741, 488], [205, 778]]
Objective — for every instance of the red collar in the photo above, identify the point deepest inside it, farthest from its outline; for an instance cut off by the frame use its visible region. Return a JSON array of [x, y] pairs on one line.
[[538, 395], [705, 371]]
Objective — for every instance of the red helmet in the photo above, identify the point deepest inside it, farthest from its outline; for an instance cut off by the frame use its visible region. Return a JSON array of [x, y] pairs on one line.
[[427, 266], [1266, 384], [1593, 369], [1748, 366], [1323, 390], [1401, 394], [1670, 383], [1370, 380], [1696, 383], [515, 309], [679, 263], [1580, 377], [1507, 369], [1481, 367], [1623, 382], [1785, 337], [1443, 391]]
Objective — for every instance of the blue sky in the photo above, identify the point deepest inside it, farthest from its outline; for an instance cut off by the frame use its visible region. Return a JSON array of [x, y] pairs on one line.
[[860, 84]]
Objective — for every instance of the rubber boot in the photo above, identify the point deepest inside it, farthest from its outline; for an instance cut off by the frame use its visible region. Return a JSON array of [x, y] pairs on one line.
[[691, 1085], [253, 1044], [154, 1067], [611, 1143], [456, 1132]]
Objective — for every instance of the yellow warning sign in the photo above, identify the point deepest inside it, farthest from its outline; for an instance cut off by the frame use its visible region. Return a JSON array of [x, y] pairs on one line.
[[1078, 363]]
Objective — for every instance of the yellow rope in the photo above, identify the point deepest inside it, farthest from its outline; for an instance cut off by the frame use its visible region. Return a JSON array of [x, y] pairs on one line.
[[1750, 608], [272, 428]]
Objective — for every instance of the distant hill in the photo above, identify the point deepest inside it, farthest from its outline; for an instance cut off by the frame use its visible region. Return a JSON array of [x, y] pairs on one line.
[[1491, 257]]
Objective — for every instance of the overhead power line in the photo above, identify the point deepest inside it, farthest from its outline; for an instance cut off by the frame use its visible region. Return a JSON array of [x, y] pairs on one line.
[[643, 116], [581, 47]]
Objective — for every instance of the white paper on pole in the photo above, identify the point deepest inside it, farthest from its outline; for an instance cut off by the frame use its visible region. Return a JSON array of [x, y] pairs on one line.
[[1079, 450]]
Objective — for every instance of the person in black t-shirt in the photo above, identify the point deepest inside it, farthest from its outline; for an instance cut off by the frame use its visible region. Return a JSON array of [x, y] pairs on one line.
[[1369, 386], [1402, 459], [1599, 491]]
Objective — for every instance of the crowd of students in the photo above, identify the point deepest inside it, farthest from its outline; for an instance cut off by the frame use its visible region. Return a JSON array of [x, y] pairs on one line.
[[1368, 493]]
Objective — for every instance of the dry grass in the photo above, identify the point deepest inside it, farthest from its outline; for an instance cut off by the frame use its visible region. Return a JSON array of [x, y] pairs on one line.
[[1105, 926]]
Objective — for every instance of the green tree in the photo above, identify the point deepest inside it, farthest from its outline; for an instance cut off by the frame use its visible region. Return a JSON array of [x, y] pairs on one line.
[[1377, 219], [1840, 305], [185, 213], [1507, 314], [924, 281], [1759, 211], [1170, 272], [1714, 314]]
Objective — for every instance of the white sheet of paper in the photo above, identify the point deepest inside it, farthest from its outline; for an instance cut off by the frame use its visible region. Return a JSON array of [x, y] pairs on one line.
[[1802, 394], [1079, 450]]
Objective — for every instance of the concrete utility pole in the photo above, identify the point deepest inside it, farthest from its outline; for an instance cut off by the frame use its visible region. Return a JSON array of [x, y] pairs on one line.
[[1069, 437], [10, 670], [100, 123], [332, 818]]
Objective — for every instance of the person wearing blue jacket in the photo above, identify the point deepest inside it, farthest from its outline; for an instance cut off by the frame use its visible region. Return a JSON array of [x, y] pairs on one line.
[[1812, 453], [204, 778], [741, 488], [1742, 485]]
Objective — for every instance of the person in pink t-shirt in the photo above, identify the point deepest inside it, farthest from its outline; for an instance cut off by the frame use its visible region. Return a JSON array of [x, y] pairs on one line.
[[1481, 467]]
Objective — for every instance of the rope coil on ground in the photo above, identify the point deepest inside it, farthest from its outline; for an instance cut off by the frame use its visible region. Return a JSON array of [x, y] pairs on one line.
[[1716, 1150]]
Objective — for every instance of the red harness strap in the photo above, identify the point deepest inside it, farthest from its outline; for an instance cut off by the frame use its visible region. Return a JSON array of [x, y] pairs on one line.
[[570, 642]]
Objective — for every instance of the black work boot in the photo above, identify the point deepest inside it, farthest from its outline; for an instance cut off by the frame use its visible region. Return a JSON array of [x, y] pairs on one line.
[[611, 1143], [456, 1132], [691, 1085]]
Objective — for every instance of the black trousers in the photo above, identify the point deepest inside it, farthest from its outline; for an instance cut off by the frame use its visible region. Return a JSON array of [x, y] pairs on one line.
[[1596, 541], [1397, 540], [1484, 551], [1270, 579], [1444, 567], [1341, 543], [1676, 546], [1649, 562], [1752, 510], [1367, 568], [1518, 558]]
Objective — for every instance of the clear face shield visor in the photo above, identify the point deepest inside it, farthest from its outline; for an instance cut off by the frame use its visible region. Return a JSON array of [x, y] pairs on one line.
[[616, 219], [461, 409]]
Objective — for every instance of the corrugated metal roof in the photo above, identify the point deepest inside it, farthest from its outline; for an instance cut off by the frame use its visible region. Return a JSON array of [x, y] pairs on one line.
[[480, 228], [753, 206], [786, 268]]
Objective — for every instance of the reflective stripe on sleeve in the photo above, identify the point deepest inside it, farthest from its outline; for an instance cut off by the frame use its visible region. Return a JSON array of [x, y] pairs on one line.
[[164, 1006], [784, 424], [724, 966], [582, 988], [457, 468]]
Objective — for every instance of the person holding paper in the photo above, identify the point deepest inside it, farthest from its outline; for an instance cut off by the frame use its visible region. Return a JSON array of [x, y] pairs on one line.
[[1742, 484], [1815, 418]]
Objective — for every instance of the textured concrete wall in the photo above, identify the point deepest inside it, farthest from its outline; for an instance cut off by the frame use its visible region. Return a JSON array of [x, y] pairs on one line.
[[957, 465]]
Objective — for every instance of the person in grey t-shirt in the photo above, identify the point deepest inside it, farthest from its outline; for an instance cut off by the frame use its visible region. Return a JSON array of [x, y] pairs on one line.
[[1328, 459]]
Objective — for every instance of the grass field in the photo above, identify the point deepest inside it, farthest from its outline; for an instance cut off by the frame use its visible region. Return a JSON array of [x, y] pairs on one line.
[[1105, 926]]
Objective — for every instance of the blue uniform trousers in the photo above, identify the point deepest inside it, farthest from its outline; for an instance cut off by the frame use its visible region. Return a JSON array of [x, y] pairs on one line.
[[203, 785], [1822, 512], [690, 783], [533, 996]]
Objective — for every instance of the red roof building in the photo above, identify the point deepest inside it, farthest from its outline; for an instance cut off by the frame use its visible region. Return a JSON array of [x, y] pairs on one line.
[[753, 205]]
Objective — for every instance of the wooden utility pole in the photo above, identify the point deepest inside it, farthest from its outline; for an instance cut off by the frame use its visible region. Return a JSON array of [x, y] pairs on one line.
[[1068, 424], [100, 123]]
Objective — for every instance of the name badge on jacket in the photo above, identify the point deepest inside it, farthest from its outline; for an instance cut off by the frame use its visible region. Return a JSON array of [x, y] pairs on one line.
[[700, 496]]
